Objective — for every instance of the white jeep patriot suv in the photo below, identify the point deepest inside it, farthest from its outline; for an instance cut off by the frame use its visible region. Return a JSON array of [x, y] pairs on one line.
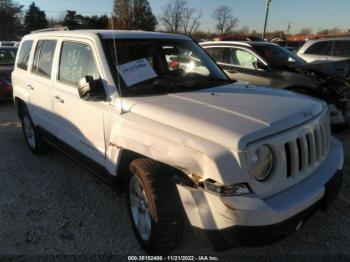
[[242, 164]]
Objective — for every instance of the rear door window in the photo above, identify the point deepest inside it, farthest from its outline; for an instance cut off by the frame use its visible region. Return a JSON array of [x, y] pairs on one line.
[[76, 62], [23, 55], [217, 53], [342, 48], [43, 57], [320, 48]]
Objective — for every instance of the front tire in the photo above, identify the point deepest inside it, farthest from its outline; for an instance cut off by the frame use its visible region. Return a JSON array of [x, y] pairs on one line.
[[154, 206], [32, 135]]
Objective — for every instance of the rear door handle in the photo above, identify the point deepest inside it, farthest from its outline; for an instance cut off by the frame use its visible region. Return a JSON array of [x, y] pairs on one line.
[[30, 87], [59, 99]]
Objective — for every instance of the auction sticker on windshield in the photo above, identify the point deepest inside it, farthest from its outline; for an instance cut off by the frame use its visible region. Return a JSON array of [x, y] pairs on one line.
[[136, 71]]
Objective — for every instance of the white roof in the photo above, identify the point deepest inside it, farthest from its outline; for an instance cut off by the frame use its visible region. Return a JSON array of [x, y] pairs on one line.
[[109, 34], [346, 38]]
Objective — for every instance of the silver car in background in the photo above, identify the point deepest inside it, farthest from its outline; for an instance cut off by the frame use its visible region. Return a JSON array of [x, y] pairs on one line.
[[332, 49]]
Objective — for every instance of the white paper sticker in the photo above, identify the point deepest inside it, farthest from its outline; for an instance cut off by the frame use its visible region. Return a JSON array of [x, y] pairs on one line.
[[136, 71]]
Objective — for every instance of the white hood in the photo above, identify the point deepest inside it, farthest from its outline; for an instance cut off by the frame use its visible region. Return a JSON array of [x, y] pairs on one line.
[[231, 115]]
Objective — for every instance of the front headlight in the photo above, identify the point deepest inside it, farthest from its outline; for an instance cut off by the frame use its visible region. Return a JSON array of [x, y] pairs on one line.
[[261, 163]]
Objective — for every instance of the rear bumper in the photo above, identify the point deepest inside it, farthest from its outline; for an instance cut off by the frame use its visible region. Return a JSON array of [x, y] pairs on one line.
[[223, 239]]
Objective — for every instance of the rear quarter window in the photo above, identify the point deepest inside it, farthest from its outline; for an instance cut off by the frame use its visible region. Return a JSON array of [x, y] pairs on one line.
[[217, 53], [342, 48], [320, 48], [23, 54]]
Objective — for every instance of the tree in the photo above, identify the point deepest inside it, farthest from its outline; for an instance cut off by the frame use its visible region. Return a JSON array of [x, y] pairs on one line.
[[10, 24], [121, 14], [72, 20], [96, 22], [191, 22], [306, 31], [323, 32], [34, 19], [331, 31], [255, 33], [178, 17], [54, 22], [76, 21], [225, 20], [143, 18], [244, 30], [134, 14]]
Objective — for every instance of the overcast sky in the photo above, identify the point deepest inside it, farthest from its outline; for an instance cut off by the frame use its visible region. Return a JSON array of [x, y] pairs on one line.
[[317, 14]]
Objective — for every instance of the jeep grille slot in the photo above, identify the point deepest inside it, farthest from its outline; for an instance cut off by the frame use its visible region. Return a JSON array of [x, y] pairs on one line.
[[288, 160], [308, 150]]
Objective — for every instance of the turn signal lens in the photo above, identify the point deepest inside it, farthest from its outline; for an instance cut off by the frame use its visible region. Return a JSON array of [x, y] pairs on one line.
[[224, 190]]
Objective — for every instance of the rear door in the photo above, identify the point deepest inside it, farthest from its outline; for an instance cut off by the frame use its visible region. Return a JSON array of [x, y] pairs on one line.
[[79, 122], [39, 83]]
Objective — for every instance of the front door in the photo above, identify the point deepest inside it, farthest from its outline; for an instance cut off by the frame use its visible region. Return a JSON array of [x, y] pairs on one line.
[[79, 122], [243, 65]]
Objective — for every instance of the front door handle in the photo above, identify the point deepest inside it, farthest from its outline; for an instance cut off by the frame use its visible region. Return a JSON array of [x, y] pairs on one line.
[[30, 87], [59, 99], [231, 71]]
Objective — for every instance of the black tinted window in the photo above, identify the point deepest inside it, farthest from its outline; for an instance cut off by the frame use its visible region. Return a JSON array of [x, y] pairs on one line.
[[7, 56], [217, 53], [76, 62], [23, 55], [320, 48], [342, 48], [277, 55], [43, 57]]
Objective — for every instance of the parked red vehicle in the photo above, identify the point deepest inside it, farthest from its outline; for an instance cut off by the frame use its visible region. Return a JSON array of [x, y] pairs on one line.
[[7, 61]]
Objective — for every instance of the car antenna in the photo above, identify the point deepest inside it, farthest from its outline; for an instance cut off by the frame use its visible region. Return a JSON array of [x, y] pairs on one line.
[[116, 64]]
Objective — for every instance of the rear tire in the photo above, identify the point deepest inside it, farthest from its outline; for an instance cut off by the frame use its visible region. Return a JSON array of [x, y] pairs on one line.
[[32, 135], [153, 195]]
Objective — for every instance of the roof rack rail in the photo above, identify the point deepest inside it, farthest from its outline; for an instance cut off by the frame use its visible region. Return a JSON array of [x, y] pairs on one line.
[[63, 28]]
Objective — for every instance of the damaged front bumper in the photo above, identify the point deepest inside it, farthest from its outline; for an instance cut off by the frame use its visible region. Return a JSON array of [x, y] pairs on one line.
[[250, 220]]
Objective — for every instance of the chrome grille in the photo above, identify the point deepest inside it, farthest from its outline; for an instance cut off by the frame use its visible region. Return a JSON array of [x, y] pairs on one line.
[[308, 150]]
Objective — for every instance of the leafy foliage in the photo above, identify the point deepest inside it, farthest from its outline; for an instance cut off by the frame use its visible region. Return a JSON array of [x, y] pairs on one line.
[[226, 23], [34, 19], [134, 15], [10, 23], [76, 21], [178, 17]]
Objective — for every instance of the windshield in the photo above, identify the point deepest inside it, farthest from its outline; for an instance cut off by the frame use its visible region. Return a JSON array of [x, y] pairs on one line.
[[148, 66], [7, 56], [277, 55]]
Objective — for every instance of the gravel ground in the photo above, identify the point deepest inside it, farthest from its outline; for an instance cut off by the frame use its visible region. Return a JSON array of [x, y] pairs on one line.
[[51, 206]]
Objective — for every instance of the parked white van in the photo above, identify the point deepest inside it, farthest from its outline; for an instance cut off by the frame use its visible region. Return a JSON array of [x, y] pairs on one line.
[[246, 164]]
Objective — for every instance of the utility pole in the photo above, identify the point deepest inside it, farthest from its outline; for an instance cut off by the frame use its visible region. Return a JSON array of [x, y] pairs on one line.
[[288, 29], [268, 2]]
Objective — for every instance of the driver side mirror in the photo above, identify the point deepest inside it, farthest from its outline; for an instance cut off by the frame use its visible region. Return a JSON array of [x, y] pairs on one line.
[[90, 89]]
